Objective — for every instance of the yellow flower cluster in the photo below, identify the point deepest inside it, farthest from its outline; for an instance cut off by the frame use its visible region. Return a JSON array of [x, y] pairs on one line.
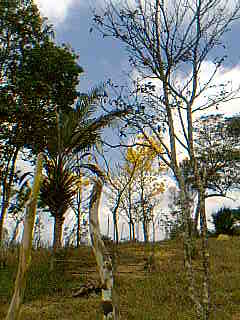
[[144, 153]]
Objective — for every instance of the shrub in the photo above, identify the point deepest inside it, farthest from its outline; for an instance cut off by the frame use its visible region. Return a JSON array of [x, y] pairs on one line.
[[106, 238], [177, 229], [211, 234], [224, 221]]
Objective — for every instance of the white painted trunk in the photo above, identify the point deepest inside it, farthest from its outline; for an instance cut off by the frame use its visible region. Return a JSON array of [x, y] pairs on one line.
[[104, 261]]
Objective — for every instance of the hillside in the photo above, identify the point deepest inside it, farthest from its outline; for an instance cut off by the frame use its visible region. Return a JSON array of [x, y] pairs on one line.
[[144, 295]]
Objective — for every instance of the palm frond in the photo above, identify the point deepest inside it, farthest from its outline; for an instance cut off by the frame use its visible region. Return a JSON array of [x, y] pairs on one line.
[[88, 103], [87, 136], [59, 186], [79, 131]]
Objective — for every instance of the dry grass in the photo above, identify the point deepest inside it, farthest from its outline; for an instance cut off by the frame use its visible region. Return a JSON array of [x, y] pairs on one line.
[[161, 294]]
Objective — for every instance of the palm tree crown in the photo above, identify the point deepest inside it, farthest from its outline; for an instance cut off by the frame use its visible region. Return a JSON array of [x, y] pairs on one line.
[[77, 132]]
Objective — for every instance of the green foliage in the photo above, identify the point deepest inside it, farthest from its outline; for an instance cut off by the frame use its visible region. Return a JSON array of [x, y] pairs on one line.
[[233, 126], [177, 228], [78, 130], [224, 220], [47, 80], [37, 76], [48, 72], [22, 28], [105, 237], [17, 204], [217, 154], [59, 186]]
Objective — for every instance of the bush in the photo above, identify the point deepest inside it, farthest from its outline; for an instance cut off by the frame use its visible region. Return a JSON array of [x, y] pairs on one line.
[[177, 229], [224, 221], [106, 238], [211, 234]]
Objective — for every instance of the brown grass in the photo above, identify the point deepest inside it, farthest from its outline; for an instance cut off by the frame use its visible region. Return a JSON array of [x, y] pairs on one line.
[[161, 294]]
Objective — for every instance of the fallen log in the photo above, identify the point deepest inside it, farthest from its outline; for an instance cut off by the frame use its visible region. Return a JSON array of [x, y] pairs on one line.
[[87, 289]]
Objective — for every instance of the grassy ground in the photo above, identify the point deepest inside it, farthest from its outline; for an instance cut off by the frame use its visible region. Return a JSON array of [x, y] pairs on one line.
[[161, 294]]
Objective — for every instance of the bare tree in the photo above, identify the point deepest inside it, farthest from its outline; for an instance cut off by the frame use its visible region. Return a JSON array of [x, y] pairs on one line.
[[168, 43]]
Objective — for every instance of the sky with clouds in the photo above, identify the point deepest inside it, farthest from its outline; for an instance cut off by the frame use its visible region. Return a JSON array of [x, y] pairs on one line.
[[105, 58], [102, 59]]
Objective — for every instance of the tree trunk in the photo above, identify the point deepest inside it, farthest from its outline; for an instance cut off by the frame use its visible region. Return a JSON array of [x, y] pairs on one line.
[[145, 230], [137, 231], [131, 228], [104, 262], [108, 227], [78, 228], [122, 232], [79, 200], [115, 227], [15, 233], [206, 256], [188, 246], [2, 218], [153, 230], [130, 231], [133, 231], [58, 226], [196, 215], [6, 190], [25, 250], [200, 181]]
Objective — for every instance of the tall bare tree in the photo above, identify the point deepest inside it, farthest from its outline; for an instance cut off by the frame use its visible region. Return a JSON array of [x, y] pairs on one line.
[[168, 43]]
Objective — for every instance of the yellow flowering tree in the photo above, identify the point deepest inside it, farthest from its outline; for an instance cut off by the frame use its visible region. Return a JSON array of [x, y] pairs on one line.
[[136, 186], [78, 204], [143, 159]]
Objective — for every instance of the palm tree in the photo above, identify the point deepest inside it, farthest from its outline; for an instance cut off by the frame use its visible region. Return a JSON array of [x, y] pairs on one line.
[[78, 131], [58, 190]]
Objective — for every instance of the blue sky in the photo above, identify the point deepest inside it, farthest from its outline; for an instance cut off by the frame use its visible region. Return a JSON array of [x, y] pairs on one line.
[[100, 59], [105, 58]]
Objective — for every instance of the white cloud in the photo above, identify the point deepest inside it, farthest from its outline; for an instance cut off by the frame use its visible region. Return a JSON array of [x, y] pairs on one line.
[[229, 77], [55, 10]]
